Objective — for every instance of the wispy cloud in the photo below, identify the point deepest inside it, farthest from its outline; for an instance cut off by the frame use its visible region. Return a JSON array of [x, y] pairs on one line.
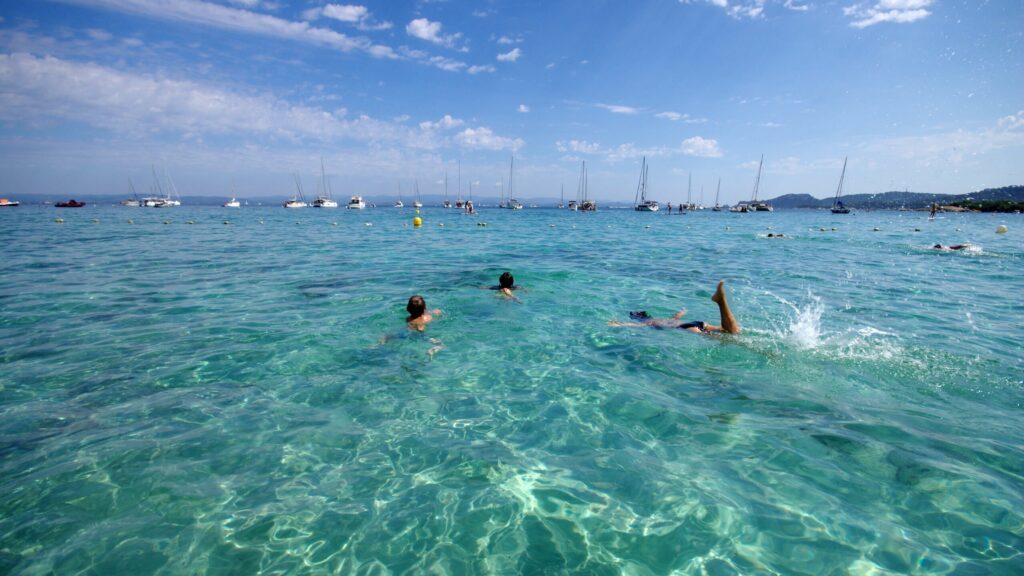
[[697, 146], [677, 117], [479, 69], [954, 147], [239, 20], [510, 56], [738, 9], [424, 29], [41, 90], [898, 11], [523, 108], [617, 108]]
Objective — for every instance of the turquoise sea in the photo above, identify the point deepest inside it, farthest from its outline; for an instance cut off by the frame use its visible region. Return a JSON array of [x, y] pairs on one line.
[[244, 397]]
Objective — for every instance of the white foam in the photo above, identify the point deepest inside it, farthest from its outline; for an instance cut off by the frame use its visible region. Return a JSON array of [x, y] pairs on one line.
[[805, 328]]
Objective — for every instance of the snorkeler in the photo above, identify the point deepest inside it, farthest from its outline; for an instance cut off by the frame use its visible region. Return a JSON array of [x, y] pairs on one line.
[[953, 247], [419, 317], [729, 324]]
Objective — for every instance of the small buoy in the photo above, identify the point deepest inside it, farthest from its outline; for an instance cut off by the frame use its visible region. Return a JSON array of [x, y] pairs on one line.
[[59, 220], [647, 226], [551, 225], [226, 222], [440, 224], [917, 229], [417, 221], [728, 227], [167, 221], [833, 229], [1002, 229], [130, 221], [368, 224], [95, 220], [821, 229], [261, 221], [190, 222], [876, 229], [334, 223]]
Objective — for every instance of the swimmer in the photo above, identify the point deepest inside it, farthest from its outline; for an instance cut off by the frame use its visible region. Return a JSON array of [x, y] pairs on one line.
[[950, 248], [729, 324], [419, 316], [506, 284], [770, 235]]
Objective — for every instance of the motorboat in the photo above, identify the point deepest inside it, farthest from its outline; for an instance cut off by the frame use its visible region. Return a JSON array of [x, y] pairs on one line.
[[324, 202], [233, 203], [5, 203], [70, 204], [356, 203]]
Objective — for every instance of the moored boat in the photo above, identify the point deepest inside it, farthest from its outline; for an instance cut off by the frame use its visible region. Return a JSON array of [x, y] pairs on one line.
[[5, 203], [70, 204]]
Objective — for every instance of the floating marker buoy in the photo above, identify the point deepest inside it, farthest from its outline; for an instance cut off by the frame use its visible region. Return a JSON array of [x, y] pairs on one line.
[[876, 229], [1002, 229], [440, 224], [59, 220], [130, 221], [190, 222], [368, 224], [334, 223], [417, 221], [226, 222], [551, 225], [261, 221], [95, 220]]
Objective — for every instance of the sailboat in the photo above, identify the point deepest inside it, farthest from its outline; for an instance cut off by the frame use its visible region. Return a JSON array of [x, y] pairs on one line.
[[561, 198], [586, 204], [512, 203], [324, 199], [459, 203], [416, 203], [446, 204], [399, 204], [233, 203], [755, 205], [642, 204], [837, 204], [717, 207], [134, 200], [299, 200]]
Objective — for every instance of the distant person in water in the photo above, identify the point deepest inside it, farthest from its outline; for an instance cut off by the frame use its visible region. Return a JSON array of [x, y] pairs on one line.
[[953, 247], [419, 316], [770, 235], [669, 207], [729, 324], [506, 284]]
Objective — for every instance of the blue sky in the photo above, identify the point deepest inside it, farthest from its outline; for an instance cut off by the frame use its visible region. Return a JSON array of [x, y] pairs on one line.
[[926, 95]]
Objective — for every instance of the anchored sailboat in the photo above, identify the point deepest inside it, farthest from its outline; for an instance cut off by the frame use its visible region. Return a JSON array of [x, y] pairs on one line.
[[324, 199], [837, 204], [717, 207], [642, 204]]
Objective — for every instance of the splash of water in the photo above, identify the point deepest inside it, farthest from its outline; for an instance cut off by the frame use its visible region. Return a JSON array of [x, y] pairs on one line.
[[805, 329]]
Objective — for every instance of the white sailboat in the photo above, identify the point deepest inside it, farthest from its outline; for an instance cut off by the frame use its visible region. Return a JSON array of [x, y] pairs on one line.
[[512, 203], [718, 207], [299, 200], [134, 200], [755, 205], [642, 204], [837, 204], [561, 198], [324, 199], [446, 203], [586, 204], [233, 203], [416, 203], [399, 204]]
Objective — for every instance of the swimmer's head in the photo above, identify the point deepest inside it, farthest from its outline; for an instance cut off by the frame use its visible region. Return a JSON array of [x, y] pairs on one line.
[[506, 280], [639, 315], [937, 246], [416, 306]]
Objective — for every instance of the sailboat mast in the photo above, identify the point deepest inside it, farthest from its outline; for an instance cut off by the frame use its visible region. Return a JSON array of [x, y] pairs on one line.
[[689, 185], [757, 181], [717, 190], [839, 189]]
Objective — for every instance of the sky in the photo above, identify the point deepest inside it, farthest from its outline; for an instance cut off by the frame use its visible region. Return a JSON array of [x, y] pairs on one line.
[[234, 97]]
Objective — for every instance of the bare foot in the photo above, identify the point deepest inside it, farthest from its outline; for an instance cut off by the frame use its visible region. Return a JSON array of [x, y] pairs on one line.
[[719, 296]]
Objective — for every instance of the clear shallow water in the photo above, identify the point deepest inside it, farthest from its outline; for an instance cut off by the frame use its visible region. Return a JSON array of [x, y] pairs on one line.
[[215, 398]]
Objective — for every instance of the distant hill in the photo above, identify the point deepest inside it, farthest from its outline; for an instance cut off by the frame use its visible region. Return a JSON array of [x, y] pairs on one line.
[[890, 200]]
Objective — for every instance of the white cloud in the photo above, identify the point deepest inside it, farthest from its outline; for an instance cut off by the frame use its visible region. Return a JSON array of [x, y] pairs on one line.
[[617, 108], [700, 147], [771, 125], [510, 56], [99, 35], [431, 32], [482, 138], [898, 11], [1012, 122], [581, 146], [41, 91], [741, 9], [957, 146], [797, 7], [477, 69], [523, 108], [550, 65], [677, 117], [353, 14], [507, 40], [227, 18]]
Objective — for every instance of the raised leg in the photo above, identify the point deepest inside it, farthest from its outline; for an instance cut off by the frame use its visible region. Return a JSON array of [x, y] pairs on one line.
[[729, 324]]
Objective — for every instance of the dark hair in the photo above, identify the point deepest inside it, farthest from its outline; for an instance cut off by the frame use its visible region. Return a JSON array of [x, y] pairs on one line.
[[639, 315], [416, 306], [506, 280]]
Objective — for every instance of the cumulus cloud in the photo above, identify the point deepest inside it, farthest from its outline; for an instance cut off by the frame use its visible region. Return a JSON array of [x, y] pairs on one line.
[[353, 14], [700, 147], [45, 90], [581, 146], [510, 56], [478, 69], [431, 32], [617, 108], [897, 11], [482, 138], [523, 108]]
